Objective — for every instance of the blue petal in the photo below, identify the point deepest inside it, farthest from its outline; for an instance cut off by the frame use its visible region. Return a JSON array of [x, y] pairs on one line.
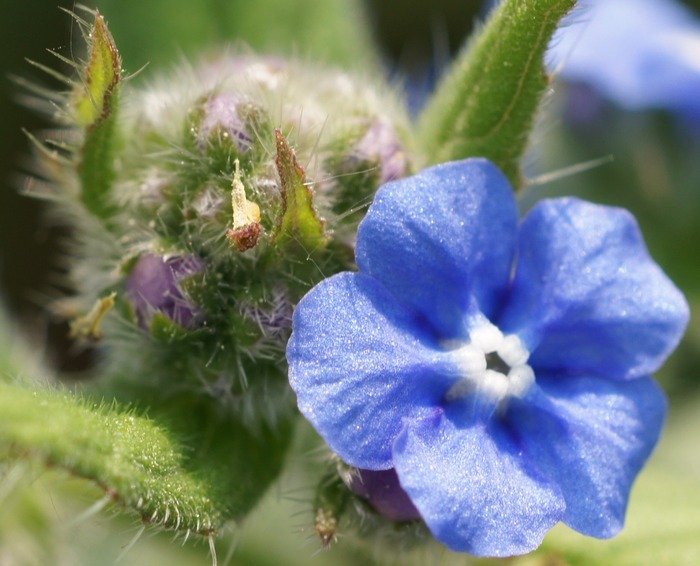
[[639, 53], [359, 362], [441, 236], [592, 436], [587, 298], [474, 485]]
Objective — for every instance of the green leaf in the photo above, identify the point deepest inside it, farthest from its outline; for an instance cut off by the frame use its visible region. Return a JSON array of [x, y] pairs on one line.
[[96, 102], [299, 220], [183, 469], [488, 101], [96, 167], [92, 99], [130, 456]]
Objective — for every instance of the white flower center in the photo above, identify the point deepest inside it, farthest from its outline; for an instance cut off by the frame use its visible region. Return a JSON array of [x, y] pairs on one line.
[[493, 366]]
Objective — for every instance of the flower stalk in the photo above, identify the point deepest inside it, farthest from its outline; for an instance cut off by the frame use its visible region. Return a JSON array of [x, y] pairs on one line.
[[487, 102]]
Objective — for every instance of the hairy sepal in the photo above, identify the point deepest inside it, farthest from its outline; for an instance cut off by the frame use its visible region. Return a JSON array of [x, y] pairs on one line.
[[95, 104]]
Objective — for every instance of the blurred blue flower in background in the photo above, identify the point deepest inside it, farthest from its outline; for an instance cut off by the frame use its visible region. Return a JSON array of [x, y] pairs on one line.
[[641, 54], [506, 399]]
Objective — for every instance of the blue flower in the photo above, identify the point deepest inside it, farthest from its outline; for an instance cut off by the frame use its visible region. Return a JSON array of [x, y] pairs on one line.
[[639, 53], [501, 369]]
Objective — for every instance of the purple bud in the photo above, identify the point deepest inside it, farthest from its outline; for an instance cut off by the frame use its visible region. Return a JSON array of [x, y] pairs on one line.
[[384, 492], [381, 144], [222, 112], [154, 285]]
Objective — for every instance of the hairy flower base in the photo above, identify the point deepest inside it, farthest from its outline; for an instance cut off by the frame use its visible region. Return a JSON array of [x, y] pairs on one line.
[[507, 395]]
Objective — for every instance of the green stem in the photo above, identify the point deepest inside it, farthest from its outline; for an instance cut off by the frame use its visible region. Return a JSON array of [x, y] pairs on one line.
[[131, 457], [486, 105]]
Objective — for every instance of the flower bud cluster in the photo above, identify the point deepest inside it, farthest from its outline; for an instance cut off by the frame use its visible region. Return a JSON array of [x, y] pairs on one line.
[[234, 187], [347, 137]]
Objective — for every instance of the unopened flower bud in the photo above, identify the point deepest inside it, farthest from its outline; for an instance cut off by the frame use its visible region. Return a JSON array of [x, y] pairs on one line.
[[221, 116], [382, 145], [384, 493], [155, 284]]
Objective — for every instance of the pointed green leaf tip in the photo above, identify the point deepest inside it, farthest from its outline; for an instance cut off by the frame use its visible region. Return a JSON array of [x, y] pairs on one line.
[[100, 77], [487, 104], [299, 220], [95, 105]]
